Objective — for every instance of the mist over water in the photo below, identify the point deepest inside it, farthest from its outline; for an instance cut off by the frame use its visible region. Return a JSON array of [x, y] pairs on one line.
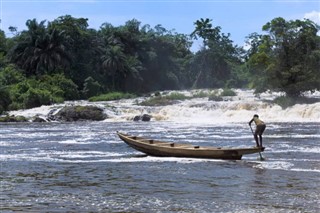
[[85, 167]]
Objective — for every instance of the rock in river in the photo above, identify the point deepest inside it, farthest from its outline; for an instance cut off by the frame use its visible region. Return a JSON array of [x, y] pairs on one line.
[[80, 113], [144, 117]]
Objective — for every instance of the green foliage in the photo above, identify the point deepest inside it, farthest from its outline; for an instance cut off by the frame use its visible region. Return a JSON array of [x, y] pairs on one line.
[[52, 62], [287, 59], [218, 96], [215, 63], [91, 87], [10, 75], [112, 96], [26, 95], [176, 96], [36, 97], [5, 100], [3, 49], [3, 39], [172, 98], [2, 59], [201, 94], [41, 50], [61, 86], [228, 92], [13, 119], [157, 101], [46, 90]]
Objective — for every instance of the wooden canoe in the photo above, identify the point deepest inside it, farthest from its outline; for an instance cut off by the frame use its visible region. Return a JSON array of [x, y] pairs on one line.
[[167, 149]]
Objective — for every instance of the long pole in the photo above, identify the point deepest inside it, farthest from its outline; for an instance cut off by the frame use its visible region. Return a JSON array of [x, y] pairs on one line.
[[261, 158]]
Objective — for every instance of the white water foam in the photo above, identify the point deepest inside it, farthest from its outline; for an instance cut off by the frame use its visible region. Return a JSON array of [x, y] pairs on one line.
[[315, 150], [235, 109], [306, 170], [281, 165], [61, 156], [2, 143]]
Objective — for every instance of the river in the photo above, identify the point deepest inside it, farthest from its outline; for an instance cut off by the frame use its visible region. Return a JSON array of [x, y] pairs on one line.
[[85, 167]]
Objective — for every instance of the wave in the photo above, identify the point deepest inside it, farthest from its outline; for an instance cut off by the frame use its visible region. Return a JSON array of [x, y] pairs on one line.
[[62, 156], [283, 165], [315, 150]]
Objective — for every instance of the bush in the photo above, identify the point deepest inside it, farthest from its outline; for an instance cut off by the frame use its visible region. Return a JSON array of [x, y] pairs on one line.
[[17, 90], [16, 105], [176, 96], [5, 100], [60, 86], [157, 101], [46, 90], [13, 119], [34, 93], [91, 87], [10, 75], [164, 100], [200, 94], [111, 96], [36, 97], [228, 92]]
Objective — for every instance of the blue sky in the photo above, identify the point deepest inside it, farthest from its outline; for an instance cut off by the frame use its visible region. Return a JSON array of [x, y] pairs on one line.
[[237, 17]]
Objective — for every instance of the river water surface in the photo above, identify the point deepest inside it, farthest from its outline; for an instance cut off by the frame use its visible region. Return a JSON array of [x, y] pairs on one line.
[[85, 167]]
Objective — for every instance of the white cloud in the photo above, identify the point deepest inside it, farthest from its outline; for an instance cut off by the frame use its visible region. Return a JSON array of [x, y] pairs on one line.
[[313, 16]]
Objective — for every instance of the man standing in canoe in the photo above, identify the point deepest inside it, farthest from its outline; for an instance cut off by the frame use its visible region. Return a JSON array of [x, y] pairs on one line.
[[260, 127]]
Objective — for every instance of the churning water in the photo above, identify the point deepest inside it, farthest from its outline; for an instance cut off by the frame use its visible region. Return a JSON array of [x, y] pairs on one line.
[[85, 167]]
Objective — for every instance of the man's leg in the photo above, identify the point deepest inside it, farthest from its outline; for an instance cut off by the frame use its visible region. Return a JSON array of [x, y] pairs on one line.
[[256, 138], [260, 137], [260, 130]]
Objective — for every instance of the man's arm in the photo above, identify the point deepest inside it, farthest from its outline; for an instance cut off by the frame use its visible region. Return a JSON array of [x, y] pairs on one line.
[[250, 122]]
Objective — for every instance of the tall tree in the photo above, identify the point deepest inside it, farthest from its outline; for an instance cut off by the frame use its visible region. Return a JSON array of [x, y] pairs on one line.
[[114, 63], [217, 58], [3, 48], [3, 42], [82, 46], [290, 54]]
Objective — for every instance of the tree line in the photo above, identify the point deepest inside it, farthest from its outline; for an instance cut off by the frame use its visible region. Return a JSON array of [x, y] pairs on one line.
[[64, 59]]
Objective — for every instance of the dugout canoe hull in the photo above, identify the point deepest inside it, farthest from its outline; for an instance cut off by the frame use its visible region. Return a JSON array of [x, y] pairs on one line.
[[167, 149]]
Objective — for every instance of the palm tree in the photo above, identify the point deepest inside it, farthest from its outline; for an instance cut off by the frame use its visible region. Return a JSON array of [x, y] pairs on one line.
[[40, 50], [52, 53], [114, 63]]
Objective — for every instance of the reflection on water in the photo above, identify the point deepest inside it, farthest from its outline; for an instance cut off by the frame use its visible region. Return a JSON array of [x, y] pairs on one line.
[[85, 167]]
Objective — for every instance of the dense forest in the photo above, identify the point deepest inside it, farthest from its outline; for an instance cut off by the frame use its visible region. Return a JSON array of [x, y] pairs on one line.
[[51, 62]]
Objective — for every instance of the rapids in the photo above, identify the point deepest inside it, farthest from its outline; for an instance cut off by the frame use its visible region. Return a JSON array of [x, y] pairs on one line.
[[85, 167], [239, 108]]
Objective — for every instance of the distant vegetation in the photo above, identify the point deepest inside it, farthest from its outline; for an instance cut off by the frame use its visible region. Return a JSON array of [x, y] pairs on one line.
[[161, 100], [51, 62], [112, 96], [167, 99], [228, 92]]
